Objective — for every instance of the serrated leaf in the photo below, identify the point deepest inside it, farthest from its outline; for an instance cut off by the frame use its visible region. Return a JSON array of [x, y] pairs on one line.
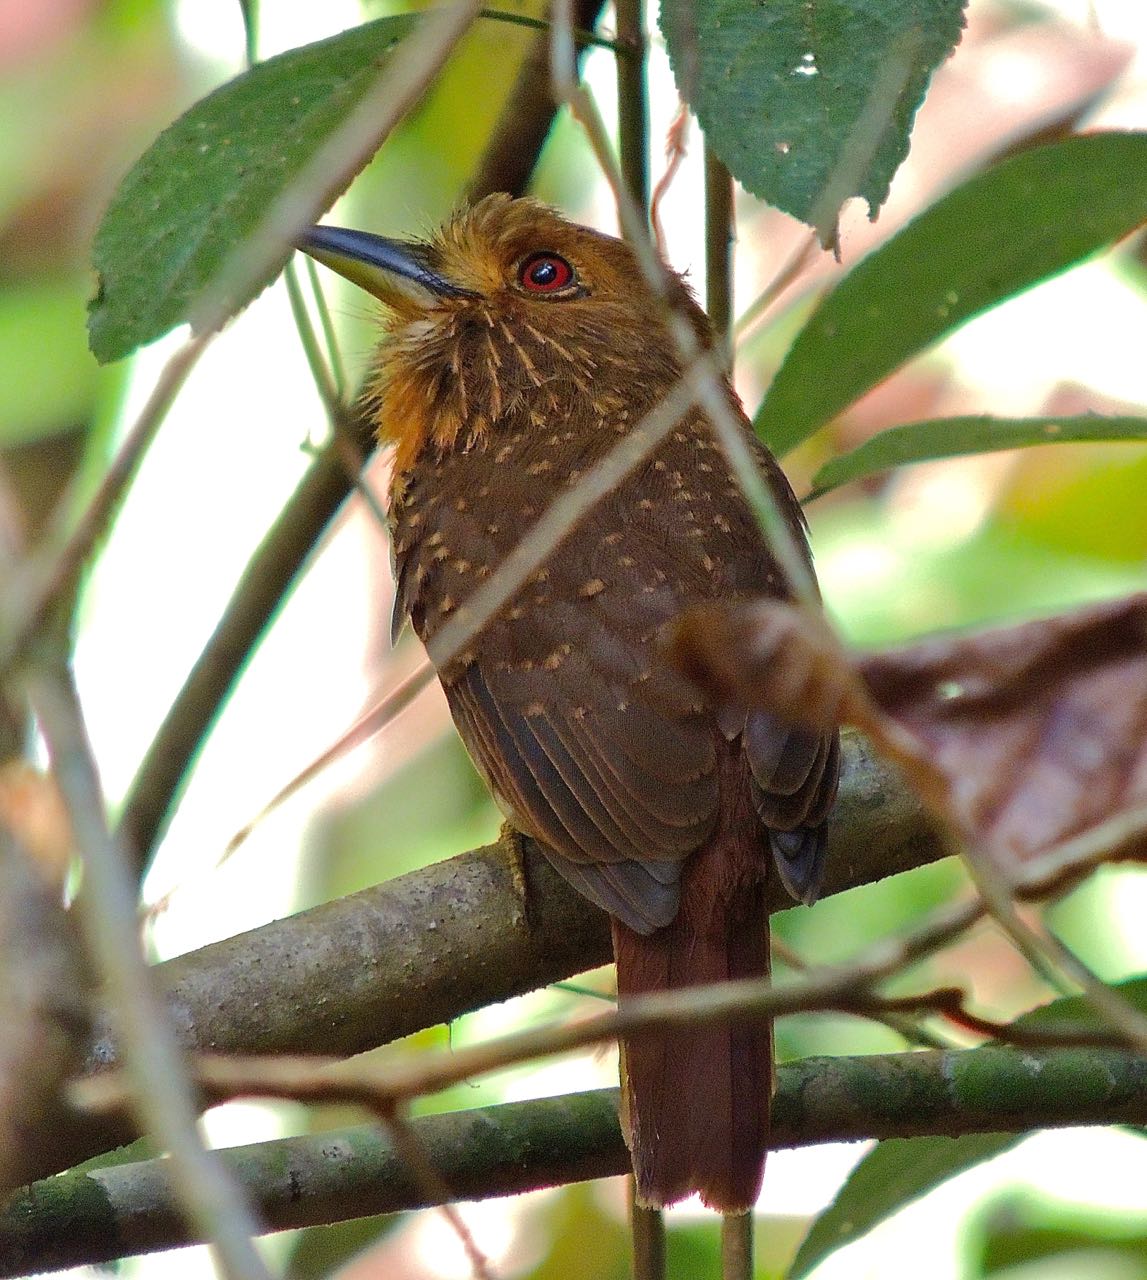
[[207, 180], [1020, 222], [954, 437], [893, 1174], [781, 88]]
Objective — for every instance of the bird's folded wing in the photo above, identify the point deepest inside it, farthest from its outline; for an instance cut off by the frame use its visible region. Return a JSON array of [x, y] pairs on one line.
[[794, 774], [618, 793]]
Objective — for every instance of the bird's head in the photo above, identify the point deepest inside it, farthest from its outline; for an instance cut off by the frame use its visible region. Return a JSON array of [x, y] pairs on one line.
[[508, 309]]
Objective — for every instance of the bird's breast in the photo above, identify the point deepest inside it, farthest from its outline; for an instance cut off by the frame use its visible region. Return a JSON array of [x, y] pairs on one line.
[[675, 531]]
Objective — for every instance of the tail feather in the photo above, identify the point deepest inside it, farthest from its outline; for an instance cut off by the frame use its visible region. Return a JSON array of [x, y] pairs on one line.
[[696, 1098]]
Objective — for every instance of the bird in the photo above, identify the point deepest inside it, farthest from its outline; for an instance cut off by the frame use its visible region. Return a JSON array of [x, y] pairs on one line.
[[518, 349]]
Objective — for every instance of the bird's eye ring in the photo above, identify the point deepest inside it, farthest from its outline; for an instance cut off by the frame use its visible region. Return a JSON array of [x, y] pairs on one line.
[[546, 273]]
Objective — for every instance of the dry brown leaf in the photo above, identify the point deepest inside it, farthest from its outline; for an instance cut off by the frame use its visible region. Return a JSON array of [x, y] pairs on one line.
[[1040, 731], [763, 653], [1031, 739]]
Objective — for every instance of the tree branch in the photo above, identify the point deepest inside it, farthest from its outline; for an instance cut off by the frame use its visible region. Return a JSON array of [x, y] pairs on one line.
[[366, 969], [429, 946], [94, 1217]]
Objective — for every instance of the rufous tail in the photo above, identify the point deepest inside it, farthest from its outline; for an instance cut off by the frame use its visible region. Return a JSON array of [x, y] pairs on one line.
[[695, 1099]]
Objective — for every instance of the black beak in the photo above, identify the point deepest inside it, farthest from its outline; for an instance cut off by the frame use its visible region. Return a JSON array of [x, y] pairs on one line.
[[380, 265]]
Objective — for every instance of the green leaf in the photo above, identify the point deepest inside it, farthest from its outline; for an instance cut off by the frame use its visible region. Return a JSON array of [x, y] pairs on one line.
[[894, 1173], [952, 437], [1078, 1010], [1019, 1229], [781, 89], [207, 181], [1023, 220]]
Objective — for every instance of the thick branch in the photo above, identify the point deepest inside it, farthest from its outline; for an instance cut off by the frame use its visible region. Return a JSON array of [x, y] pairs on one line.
[[429, 946], [296, 1182]]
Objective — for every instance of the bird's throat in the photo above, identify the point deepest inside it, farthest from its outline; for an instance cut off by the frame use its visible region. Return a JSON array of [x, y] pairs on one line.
[[449, 381], [420, 393]]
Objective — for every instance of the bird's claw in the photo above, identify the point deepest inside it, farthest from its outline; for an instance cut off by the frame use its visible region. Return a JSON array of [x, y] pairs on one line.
[[514, 844]]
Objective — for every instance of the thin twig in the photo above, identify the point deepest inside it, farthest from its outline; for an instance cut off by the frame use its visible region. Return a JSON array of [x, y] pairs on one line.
[[633, 101], [1118, 836], [719, 249], [909, 1028], [343, 420], [334, 352], [789, 270], [160, 1090], [647, 1233], [950, 1003], [737, 1246], [249, 10], [345, 429], [1116, 1011], [413, 1153], [585, 36], [675, 151], [513, 149], [374, 721], [323, 379]]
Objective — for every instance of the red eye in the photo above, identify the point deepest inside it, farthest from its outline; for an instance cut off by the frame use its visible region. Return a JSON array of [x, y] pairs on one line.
[[546, 273]]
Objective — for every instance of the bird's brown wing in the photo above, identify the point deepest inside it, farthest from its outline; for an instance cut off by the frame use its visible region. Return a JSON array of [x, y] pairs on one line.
[[794, 780], [609, 764]]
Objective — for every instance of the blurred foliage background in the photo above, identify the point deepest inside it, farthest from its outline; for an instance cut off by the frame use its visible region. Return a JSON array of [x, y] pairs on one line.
[[85, 86]]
